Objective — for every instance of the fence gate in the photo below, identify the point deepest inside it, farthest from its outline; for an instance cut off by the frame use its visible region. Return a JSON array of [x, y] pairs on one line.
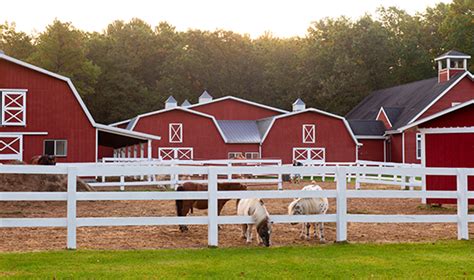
[[309, 154], [175, 153], [11, 147]]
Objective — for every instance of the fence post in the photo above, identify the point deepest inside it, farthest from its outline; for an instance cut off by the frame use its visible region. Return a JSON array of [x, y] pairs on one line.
[[212, 229], [341, 212], [357, 177], [280, 178], [103, 177], [71, 207], [462, 206], [423, 188], [122, 183]]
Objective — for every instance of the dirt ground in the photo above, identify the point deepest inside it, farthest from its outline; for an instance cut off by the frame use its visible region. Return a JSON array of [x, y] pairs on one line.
[[147, 237]]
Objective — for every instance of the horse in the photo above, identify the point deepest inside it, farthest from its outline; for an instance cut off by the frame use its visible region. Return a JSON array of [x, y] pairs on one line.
[[255, 208], [183, 207], [309, 206], [43, 160]]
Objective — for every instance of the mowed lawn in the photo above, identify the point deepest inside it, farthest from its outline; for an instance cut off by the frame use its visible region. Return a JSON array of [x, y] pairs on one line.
[[431, 260]]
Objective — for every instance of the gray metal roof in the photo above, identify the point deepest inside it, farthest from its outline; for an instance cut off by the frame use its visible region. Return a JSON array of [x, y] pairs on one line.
[[299, 102], [131, 123], [410, 99], [453, 53], [240, 131], [392, 113], [367, 127], [186, 103]]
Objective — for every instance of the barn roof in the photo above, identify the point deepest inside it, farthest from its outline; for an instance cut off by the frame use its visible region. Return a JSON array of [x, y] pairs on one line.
[[411, 100], [452, 54], [367, 127], [240, 131], [240, 100]]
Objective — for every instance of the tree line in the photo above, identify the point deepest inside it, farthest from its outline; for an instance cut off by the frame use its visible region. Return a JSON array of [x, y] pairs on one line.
[[132, 67]]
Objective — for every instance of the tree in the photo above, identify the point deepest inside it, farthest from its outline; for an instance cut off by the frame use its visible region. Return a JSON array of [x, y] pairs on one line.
[[13, 43]]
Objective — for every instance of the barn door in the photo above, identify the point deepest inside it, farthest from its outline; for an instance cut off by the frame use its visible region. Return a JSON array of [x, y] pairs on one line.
[[11, 147], [309, 154], [13, 111], [175, 153]]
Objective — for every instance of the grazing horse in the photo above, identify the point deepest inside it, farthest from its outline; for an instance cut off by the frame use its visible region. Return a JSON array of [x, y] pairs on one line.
[[43, 160], [183, 207], [255, 208], [309, 206]]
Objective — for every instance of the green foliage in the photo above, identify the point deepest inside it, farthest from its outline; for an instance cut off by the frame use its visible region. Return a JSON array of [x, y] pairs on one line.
[[447, 260], [132, 67]]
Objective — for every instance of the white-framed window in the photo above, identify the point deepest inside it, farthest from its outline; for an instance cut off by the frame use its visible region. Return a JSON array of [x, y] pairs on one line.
[[418, 146], [13, 108], [55, 147], [309, 133], [176, 133], [235, 155], [252, 155]]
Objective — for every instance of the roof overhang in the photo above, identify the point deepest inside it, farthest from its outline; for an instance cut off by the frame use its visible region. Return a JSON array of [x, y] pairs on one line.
[[370, 137], [453, 56]]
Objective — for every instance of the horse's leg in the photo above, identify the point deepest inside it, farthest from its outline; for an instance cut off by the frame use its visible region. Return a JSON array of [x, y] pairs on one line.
[[321, 232], [183, 210], [302, 230], [244, 231], [249, 233], [308, 227]]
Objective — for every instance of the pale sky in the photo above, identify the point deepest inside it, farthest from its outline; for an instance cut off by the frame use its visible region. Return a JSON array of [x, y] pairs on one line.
[[283, 18]]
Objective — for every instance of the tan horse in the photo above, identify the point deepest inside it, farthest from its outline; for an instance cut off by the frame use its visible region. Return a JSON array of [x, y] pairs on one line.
[[184, 207]]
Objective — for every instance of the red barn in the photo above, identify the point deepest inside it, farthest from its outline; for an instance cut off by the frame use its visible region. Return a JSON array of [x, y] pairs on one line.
[[42, 113], [379, 121], [447, 140], [231, 127]]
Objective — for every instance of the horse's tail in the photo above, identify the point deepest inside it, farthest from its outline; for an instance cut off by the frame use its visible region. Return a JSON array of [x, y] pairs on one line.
[[179, 203]]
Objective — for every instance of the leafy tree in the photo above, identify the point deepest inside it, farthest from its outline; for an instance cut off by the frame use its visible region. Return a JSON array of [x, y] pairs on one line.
[[13, 43]]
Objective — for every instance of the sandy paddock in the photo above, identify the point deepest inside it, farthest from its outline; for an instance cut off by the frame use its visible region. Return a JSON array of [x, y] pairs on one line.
[[30, 239]]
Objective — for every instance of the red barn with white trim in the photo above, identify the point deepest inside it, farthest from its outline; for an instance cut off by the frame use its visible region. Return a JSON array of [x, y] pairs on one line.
[[448, 141], [231, 127], [42, 113]]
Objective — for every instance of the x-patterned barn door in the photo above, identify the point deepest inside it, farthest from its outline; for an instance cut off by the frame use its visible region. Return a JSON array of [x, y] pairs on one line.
[[11, 147], [309, 154], [175, 153], [13, 108]]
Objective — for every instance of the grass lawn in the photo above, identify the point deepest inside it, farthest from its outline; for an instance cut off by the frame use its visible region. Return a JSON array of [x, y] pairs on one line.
[[441, 260]]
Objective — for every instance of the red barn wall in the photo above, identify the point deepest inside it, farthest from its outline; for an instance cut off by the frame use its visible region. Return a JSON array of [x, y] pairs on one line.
[[395, 148], [448, 150], [50, 107], [230, 109], [462, 92], [372, 149], [382, 117], [410, 146], [199, 133], [331, 133]]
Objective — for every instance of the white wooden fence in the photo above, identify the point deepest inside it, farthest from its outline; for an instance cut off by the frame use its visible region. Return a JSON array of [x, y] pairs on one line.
[[341, 194]]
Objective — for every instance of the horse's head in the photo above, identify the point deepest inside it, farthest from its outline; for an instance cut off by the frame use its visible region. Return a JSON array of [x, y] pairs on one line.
[[265, 232], [47, 160]]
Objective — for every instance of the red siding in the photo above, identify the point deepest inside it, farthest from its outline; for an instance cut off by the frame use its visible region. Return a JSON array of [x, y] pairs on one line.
[[230, 109], [462, 92], [410, 146], [395, 147], [382, 117], [51, 107], [199, 133], [459, 118], [372, 149], [449, 150], [331, 133]]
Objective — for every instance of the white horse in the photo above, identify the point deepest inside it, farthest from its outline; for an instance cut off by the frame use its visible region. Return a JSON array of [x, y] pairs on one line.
[[255, 208], [310, 206]]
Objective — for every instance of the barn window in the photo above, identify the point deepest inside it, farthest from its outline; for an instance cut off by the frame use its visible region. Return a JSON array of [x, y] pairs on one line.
[[235, 155], [55, 148], [418, 146], [252, 155], [309, 133], [14, 108], [176, 133]]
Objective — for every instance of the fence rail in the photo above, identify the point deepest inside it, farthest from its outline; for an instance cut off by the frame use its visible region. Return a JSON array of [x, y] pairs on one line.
[[341, 195]]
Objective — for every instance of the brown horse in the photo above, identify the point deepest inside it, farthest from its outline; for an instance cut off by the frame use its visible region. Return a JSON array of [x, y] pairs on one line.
[[43, 160], [183, 207]]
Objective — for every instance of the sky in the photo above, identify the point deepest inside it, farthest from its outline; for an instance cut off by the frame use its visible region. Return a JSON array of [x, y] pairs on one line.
[[283, 18]]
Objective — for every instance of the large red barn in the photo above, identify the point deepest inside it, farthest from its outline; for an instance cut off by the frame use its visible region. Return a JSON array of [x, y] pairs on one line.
[[379, 121], [230, 127], [42, 113]]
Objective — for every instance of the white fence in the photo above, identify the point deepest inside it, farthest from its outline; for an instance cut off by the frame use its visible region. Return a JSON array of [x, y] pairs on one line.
[[341, 194]]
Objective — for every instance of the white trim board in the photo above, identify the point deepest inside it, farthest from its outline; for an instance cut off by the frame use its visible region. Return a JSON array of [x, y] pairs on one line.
[[448, 130], [25, 133], [125, 132], [370, 137], [239, 100], [57, 76], [382, 110]]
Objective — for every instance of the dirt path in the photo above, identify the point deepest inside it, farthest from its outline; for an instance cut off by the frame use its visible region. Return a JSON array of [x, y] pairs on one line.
[[29, 239]]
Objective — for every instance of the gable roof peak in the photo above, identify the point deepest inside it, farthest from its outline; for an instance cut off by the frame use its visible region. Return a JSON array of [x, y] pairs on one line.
[[185, 103], [299, 102], [171, 100], [205, 94]]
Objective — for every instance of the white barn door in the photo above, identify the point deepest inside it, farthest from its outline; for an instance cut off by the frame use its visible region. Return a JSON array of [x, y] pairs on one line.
[[175, 153], [11, 147], [309, 155]]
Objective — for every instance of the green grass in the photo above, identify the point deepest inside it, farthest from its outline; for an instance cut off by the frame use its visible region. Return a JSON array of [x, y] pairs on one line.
[[410, 261]]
